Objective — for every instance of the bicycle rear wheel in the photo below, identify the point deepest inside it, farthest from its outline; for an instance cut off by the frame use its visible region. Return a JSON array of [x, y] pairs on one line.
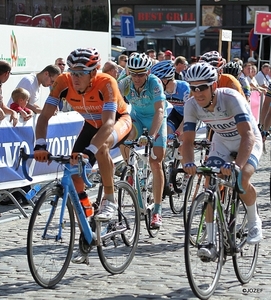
[[203, 275], [176, 200], [245, 260], [118, 238], [49, 252]]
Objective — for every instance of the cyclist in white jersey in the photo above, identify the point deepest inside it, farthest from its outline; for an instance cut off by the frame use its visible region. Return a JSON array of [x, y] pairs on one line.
[[235, 129]]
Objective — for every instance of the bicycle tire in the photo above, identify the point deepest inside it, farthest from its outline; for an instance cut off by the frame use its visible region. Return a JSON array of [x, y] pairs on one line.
[[119, 239], [126, 176], [245, 261], [46, 269], [203, 276], [176, 200], [195, 186], [153, 232]]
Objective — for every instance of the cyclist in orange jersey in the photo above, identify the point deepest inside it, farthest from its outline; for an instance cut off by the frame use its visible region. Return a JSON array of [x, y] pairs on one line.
[[107, 122], [224, 80]]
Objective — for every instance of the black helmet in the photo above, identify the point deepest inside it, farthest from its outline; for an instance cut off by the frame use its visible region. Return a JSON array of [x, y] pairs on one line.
[[232, 68]]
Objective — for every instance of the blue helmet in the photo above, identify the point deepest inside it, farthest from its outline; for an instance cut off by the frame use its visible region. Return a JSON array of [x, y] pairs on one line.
[[164, 69]]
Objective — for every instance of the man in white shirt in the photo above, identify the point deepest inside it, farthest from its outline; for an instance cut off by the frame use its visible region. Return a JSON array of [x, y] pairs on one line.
[[262, 76], [32, 83]]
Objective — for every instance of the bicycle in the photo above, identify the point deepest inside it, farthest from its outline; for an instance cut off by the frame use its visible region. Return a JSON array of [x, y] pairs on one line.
[[195, 183], [180, 186], [138, 174], [51, 231], [229, 233], [170, 165]]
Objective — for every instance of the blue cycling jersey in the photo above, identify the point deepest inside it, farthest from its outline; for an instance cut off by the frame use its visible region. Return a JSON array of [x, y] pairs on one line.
[[179, 96], [143, 104]]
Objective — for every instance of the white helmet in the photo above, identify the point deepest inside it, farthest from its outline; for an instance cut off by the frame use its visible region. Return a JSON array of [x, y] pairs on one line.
[[201, 72], [139, 63]]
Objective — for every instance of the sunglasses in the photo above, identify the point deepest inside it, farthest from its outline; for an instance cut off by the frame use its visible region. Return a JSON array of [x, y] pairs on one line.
[[78, 73], [61, 65], [140, 75], [125, 60], [200, 87]]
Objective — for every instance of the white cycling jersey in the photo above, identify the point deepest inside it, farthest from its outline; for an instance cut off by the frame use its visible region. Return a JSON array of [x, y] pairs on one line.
[[231, 108]]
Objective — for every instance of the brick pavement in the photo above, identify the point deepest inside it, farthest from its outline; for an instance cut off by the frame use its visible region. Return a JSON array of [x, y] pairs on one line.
[[157, 271]]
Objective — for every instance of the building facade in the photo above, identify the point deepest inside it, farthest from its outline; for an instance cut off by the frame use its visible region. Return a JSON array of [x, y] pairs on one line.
[[172, 24]]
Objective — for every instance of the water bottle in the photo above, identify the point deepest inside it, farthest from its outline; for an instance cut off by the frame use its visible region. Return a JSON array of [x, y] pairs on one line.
[[86, 204]]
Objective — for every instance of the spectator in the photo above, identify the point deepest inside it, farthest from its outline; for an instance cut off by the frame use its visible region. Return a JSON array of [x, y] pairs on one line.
[[168, 55], [265, 115], [20, 98], [243, 78], [254, 85], [5, 70], [252, 60], [111, 68], [160, 56], [60, 62], [151, 53], [239, 61], [246, 53], [122, 60], [32, 83], [193, 60], [180, 65], [262, 76]]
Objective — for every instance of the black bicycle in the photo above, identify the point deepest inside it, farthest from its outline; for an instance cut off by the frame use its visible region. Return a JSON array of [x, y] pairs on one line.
[[222, 203]]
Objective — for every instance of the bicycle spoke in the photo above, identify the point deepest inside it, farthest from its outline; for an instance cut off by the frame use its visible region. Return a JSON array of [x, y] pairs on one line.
[[119, 236], [48, 252], [203, 275]]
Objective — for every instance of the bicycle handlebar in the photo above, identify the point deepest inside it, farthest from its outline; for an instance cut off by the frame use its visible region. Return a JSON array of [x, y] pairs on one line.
[[236, 175], [61, 159]]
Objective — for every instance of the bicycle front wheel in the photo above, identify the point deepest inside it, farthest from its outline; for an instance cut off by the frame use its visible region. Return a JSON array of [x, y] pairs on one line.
[[118, 238], [203, 274], [49, 243], [245, 260]]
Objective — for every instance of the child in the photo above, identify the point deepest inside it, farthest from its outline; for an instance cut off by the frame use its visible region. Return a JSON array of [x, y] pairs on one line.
[[4, 110], [20, 99]]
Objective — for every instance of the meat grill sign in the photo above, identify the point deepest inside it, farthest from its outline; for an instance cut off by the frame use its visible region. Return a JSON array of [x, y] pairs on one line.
[[262, 23]]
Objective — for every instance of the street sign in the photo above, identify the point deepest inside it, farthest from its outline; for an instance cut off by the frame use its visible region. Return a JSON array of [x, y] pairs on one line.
[[129, 43], [253, 40], [262, 24], [127, 26]]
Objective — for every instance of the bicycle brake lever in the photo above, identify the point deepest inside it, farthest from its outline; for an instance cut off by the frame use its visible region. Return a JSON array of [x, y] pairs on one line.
[[22, 156]]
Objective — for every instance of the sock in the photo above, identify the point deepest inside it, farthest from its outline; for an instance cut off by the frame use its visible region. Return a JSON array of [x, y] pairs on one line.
[[109, 197], [252, 214], [157, 209]]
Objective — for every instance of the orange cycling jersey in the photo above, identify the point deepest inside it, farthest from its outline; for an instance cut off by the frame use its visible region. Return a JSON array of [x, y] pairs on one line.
[[103, 95], [227, 80]]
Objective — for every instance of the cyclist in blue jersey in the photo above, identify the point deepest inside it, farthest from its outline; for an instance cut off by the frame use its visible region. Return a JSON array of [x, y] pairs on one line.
[[176, 91], [228, 114], [145, 93]]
